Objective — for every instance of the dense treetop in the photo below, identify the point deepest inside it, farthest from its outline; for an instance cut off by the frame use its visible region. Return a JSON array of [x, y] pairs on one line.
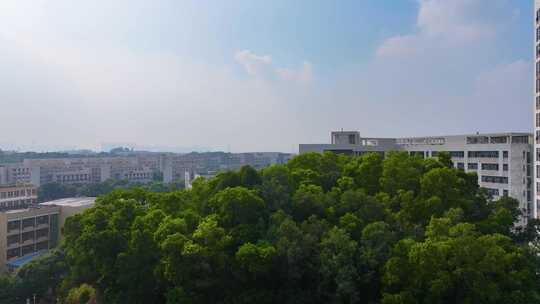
[[324, 228]]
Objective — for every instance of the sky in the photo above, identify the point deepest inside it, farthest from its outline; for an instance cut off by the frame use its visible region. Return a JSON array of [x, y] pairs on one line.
[[249, 75]]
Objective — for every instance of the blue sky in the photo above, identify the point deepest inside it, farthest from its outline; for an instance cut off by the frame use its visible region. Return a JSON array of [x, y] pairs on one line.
[[260, 75]]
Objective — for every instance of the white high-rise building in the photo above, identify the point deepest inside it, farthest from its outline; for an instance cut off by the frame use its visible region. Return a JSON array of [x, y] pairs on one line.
[[502, 161], [536, 211]]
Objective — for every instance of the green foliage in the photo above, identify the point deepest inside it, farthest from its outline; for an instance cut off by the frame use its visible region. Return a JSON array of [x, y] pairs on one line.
[[324, 228], [84, 294], [456, 264], [401, 172], [42, 276]]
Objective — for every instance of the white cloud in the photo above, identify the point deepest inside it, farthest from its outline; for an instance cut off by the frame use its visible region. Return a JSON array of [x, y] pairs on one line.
[[261, 66], [255, 65], [443, 24]]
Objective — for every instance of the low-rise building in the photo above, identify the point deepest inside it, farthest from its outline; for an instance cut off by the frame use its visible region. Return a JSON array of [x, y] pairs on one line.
[[26, 233]]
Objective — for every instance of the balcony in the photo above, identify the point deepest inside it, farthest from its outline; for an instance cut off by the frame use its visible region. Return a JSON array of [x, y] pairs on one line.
[[14, 231], [28, 242], [44, 225], [28, 228], [13, 245], [42, 238]]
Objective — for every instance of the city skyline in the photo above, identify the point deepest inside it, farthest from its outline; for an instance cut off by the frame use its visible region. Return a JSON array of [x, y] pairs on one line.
[[258, 76]]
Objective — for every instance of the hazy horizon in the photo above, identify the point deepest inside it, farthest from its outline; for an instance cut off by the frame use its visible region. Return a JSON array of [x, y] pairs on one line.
[[257, 75]]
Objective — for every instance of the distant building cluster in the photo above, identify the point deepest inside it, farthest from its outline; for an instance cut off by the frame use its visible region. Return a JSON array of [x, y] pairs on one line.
[[143, 167], [178, 167], [503, 161]]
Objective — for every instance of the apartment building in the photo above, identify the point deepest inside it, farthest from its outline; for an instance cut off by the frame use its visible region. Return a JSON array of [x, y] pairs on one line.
[[29, 232], [17, 196], [503, 161]]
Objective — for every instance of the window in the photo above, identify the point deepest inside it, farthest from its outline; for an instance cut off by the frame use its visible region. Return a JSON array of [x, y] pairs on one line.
[[483, 154], [29, 222], [478, 139], [42, 246], [505, 192], [13, 239], [492, 192], [457, 154], [472, 166], [505, 167], [453, 154], [490, 167], [27, 250], [461, 166], [352, 139], [495, 179], [28, 236], [505, 154], [14, 225], [42, 220], [42, 233], [498, 139]]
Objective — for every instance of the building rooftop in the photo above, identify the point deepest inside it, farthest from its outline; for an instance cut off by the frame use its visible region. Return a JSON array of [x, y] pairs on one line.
[[16, 263], [23, 210], [72, 202]]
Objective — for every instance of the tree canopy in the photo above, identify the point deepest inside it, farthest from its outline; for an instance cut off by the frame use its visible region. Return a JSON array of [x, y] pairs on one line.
[[324, 228]]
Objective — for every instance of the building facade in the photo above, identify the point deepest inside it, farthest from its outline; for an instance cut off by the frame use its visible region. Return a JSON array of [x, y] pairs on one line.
[[502, 161], [17, 196], [536, 109], [25, 233]]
